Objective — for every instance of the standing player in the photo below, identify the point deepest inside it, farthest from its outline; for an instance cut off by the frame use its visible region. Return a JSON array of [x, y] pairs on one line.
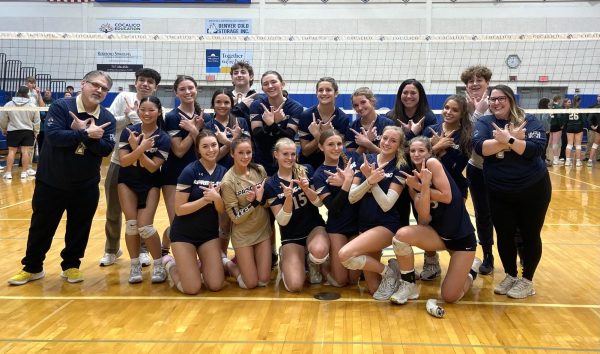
[[143, 148], [443, 224], [317, 119], [364, 134], [594, 121], [574, 127], [79, 132], [377, 187], [332, 181], [195, 229], [183, 124], [295, 206], [273, 117], [124, 108]]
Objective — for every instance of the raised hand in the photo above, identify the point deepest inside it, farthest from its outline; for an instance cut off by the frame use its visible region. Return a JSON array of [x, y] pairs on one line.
[[413, 180], [130, 107], [314, 128], [518, 132], [132, 139], [288, 191], [425, 174], [211, 192], [79, 124], [417, 127], [249, 99], [335, 179], [377, 175], [435, 138], [236, 131], [303, 183], [221, 135], [259, 190], [482, 104], [96, 131], [192, 125], [273, 115], [348, 171], [366, 168], [501, 135], [371, 131], [147, 143]]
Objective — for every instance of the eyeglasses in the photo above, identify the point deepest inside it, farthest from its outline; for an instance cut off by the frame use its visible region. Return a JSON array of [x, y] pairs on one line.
[[499, 99], [98, 86]]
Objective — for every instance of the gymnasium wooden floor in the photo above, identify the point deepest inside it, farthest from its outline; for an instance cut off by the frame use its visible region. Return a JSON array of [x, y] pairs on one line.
[[105, 314]]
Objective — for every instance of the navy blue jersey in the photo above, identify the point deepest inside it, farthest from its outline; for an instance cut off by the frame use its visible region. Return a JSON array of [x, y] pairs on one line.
[[454, 160], [345, 220], [430, 120], [227, 161], [512, 172], [265, 138], [204, 222], [305, 216], [380, 123], [451, 221], [339, 122], [174, 165], [370, 213], [136, 174]]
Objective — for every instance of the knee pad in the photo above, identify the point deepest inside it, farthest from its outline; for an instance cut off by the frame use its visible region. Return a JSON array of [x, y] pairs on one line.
[[577, 147], [355, 263], [147, 231], [555, 146], [595, 146], [316, 260], [241, 283], [569, 147], [131, 227], [401, 248]]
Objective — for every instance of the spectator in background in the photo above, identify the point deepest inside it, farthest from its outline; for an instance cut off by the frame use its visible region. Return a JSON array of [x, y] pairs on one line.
[[47, 97], [20, 127], [47, 102], [556, 126], [544, 118], [68, 94], [34, 92], [594, 133], [70, 89]]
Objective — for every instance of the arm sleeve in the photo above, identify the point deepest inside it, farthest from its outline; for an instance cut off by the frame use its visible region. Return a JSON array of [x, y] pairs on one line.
[[385, 201], [358, 191]]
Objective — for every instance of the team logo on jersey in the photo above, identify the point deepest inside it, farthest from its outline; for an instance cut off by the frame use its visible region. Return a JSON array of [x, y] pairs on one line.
[[111, 137], [534, 135]]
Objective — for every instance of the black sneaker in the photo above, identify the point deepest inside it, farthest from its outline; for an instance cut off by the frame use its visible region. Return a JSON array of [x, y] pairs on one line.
[[487, 266]]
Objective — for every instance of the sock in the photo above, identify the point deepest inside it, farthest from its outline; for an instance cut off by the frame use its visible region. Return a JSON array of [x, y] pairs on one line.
[[408, 276]]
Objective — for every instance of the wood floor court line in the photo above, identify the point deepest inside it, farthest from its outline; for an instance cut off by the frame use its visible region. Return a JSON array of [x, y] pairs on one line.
[[264, 298], [282, 342]]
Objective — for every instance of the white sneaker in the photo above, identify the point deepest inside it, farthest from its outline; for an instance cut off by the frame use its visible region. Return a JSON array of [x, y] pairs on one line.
[[159, 273], [1, 168], [568, 162], [406, 291], [23, 175], [314, 273], [590, 163], [522, 288], [7, 175], [389, 282], [505, 285], [168, 261], [578, 163], [475, 267], [556, 161], [431, 268], [135, 273], [30, 172], [110, 258], [145, 259]]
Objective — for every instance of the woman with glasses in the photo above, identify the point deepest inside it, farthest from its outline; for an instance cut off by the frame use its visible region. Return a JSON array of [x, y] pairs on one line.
[[512, 145]]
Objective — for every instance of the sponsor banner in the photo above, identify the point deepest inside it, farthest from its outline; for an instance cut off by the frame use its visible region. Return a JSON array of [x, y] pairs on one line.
[[118, 26], [129, 60], [220, 61], [234, 27]]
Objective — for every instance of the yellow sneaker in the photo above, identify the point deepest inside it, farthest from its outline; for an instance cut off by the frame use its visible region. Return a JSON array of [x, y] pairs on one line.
[[73, 275], [24, 277]]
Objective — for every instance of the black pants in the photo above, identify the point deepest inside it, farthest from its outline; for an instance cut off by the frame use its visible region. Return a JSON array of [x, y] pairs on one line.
[[524, 210], [49, 204], [481, 205]]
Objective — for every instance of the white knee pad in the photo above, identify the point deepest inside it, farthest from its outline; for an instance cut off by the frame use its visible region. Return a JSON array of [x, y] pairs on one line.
[[316, 260], [131, 227], [555, 146], [241, 283], [401, 248], [595, 146], [355, 263], [147, 231], [577, 147], [569, 147]]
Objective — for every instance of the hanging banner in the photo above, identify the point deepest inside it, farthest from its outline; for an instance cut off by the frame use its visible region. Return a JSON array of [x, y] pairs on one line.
[[129, 60], [233, 27]]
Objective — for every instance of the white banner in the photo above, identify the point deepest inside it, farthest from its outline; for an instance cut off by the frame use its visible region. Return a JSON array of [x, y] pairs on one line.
[[118, 26]]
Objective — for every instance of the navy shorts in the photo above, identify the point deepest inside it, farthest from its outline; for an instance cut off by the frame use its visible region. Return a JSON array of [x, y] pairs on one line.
[[196, 241], [18, 138], [468, 244]]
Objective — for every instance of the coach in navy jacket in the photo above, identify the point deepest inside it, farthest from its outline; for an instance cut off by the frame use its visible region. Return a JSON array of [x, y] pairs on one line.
[[79, 133]]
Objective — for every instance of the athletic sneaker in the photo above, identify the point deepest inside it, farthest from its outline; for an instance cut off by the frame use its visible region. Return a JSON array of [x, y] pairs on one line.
[[135, 273], [159, 274], [578, 163], [475, 266], [568, 162], [7, 175], [168, 261], [389, 282], [406, 291], [431, 268], [314, 273], [1, 168], [505, 285], [24, 277], [110, 258], [145, 259], [522, 288], [590, 163], [487, 266], [72, 275], [30, 172], [556, 161]]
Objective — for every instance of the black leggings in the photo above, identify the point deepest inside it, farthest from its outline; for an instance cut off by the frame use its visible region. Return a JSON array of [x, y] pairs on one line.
[[524, 210]]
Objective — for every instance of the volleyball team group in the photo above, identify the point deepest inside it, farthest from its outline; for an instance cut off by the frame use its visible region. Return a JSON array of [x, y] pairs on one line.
[[233, 175]]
